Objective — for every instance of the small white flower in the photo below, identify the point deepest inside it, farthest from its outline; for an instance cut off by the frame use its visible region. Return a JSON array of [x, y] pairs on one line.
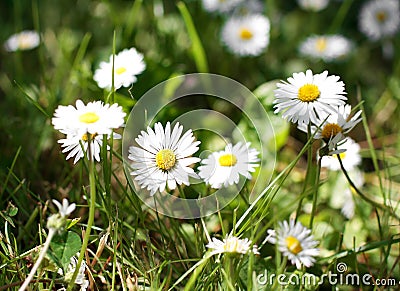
[[25, 40], [305, 97], [331, 124], [295, 242], [313, 5], [380, 19], [326, 47], [80, 278], [247, 35], [231, 244], [224, 168], [127, 64], [220, 6], [350, 157], [163, 158], [94, 118], [65, 208]]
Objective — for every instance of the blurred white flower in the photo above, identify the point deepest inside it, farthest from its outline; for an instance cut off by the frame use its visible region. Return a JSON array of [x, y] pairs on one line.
[[163, 158], [246, 35], [127, 64], [84, 123], [80, 278], [326, 47], [65, 208], [220, 6], [25, 40], [380, 19], [350, 157], [231, 244], [295, 242], [224, 168], [306, 97], [313, 5]]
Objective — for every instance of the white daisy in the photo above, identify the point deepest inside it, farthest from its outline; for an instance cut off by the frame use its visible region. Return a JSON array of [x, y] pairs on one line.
[[127, 64], [80, 278], [380, 18], [350, 157], [247, 35], [95, 118], [231, 244], [313, 5], [65, 208], [330, 124], [326, 47], [295, 242], [224, 168], [25, 40], [163, 158], [304, 97], [220, 6], [78, 146]]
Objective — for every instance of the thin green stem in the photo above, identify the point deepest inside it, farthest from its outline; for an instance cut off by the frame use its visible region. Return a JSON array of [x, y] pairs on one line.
[[362, 195], [309, 166], [92, 209], [39, 260], [315, 196]]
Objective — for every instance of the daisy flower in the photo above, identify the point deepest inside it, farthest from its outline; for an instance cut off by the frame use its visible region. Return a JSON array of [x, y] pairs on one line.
[[304, 97], [95, 118], [84, 123], [127, 64], [247, 35], [380, 18], [78, 145], [331, 124], [224, 168], [25, 40], [231, 244], [163, 158], [295, 242], [220, 6], [313, 5], [326, 47], [350, 157]]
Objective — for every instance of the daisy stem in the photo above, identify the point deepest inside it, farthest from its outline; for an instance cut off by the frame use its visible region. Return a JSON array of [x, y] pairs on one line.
[[315, 196], [92, 209], [308, 171], [229, 268], [363, 196], [39, 260]]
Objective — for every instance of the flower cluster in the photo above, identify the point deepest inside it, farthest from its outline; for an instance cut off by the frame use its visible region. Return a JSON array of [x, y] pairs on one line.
[[163, 158], [85, 126], [317, 102]]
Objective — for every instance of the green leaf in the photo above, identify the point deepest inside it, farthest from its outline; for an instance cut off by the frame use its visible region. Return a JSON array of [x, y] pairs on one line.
[[12, 210], [63, 247]]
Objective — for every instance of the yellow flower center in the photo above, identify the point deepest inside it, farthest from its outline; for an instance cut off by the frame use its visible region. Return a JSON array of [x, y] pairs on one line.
[[330, 130], [231, 245], [227, 160], [341, 155], [321, 44], [165, 159], [294, 245], [85, 137], [308, 93], [24, 42], [89, 117], [245, 34], [120, 70], [381, 16]]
